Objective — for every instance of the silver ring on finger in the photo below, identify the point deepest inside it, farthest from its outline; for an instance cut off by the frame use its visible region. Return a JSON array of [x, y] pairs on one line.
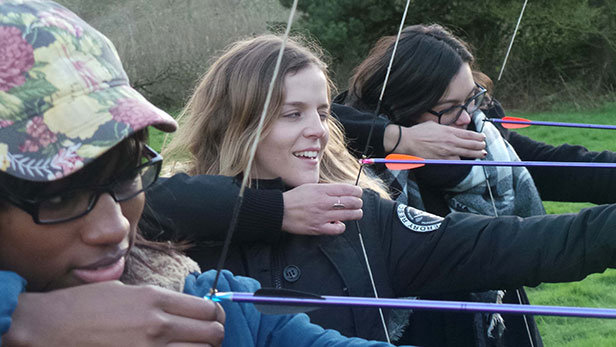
[[338, 205]]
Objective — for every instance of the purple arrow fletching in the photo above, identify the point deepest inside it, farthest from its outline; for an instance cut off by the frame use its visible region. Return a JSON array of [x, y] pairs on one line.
[[422, 305]]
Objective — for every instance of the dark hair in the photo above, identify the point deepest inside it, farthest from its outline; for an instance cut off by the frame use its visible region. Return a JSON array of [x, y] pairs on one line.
[[426, 60], [123, 156]]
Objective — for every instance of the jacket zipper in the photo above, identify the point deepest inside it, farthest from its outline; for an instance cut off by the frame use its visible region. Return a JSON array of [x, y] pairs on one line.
[[276, 269]]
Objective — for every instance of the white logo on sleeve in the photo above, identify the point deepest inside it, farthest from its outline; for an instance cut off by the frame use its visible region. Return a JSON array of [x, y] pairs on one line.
[[417, 220]]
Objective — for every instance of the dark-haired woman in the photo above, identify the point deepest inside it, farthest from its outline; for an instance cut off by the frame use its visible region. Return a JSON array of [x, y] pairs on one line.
[[432, 82]]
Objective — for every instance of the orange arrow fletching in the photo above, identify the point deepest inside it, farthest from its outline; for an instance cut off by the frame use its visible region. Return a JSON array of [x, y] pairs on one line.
[[402, 166], [515, 126]]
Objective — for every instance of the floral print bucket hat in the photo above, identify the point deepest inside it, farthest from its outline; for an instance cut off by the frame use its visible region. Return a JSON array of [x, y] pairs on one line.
[[64, 96]]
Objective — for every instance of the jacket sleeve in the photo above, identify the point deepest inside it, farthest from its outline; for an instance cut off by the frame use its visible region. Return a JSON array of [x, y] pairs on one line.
[[563, 184], [357, 126], [11, 285], [245, 326], [474, 253], [199, 208], [568, 184]]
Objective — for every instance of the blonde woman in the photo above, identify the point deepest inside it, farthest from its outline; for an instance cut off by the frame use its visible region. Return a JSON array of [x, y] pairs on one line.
[[411, 252], [68, 227]]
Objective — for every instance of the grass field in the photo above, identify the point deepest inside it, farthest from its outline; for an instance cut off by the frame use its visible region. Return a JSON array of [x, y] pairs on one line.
[[596, 290]]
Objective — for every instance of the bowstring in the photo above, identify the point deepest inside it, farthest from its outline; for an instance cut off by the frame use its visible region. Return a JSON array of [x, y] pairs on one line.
[[252, 153], [485, 173], [380, 100], [372, 126], [515, 31]]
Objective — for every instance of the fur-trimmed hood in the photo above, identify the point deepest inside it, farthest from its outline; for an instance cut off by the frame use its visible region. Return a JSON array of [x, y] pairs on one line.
[[145, 265]]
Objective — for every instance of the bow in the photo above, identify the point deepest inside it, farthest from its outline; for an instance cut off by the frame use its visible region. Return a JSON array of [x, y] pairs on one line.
[[485, 173], [376, 114], [252, 153]]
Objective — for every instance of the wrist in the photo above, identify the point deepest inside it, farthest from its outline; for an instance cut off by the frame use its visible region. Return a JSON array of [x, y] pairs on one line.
[[21, 333], [391, 137], [284, 225]]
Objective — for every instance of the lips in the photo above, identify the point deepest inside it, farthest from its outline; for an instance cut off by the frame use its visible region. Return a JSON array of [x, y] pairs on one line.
[[109, 268]]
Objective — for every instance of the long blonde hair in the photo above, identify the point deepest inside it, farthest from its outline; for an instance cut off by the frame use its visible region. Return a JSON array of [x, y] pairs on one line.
[[222, 115]]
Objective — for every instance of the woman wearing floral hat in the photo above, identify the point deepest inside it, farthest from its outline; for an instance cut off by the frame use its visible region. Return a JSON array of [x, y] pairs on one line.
[[74, 168]]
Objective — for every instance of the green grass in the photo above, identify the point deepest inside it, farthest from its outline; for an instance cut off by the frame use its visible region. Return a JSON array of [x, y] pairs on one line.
[[157, 138], [596, 290]]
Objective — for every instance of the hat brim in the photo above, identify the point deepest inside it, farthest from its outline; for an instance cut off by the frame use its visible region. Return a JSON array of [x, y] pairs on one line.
[[76, 130]]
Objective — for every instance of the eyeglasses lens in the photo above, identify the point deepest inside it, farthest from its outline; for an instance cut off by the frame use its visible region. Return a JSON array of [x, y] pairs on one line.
[[130, 187], [72, 204], [471, 106], [475, 103], [78, 202]]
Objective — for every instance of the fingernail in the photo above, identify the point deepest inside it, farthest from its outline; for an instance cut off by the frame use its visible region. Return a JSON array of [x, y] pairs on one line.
[[484, 153]]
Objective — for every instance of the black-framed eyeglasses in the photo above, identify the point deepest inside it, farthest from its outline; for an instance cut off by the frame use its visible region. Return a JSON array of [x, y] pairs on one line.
[[450, 115], [78, 202]]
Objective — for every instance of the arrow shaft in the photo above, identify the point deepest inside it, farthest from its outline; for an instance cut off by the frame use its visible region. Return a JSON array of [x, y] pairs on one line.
[[555, 124], [489, 163], [423, 305]]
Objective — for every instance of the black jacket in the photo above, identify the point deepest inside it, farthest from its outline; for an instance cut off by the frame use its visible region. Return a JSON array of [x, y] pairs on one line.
[[466, 253]]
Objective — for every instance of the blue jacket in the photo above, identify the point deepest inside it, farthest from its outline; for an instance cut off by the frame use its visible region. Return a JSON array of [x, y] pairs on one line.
[[11, 285], [244, 326]]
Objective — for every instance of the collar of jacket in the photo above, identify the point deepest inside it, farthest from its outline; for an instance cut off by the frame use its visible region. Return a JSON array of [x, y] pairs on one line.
[[275, 183]]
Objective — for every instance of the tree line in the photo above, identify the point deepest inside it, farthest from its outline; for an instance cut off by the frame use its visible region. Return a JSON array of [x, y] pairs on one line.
[[563, 53]]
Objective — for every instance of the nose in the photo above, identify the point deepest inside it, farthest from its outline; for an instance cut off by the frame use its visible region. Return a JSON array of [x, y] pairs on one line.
[[316, 127], [464, 119], [105, 224]]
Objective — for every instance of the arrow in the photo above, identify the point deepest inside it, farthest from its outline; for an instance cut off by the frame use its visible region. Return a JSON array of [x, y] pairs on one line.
[[517, 123], [408, 162], [286, 302]]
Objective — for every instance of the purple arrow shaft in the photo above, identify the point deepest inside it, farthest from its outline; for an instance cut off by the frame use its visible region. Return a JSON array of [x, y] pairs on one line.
[[555, 124], [422, 305], [488, 163]]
